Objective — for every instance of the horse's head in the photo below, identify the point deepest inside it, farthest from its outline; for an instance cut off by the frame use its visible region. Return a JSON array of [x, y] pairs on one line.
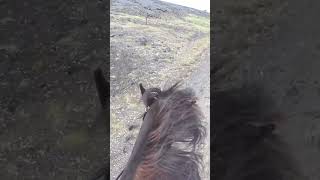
[[171, 120], [149, 96]]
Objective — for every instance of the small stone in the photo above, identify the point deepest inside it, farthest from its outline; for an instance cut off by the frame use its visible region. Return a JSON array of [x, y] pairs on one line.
[[24, 83]]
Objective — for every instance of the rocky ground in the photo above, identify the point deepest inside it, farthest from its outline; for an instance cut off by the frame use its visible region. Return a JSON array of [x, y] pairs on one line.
[[48, 102], [172, 45], [198, 80]]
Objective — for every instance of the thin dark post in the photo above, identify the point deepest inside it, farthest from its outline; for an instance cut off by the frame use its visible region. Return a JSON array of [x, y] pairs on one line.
[[103, 93], [102, 87]]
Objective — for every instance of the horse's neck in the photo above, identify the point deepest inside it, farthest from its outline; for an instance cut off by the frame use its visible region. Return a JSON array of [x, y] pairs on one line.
[[138, 148]]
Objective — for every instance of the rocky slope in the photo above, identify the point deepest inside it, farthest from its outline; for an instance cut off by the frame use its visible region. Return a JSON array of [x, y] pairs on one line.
[[169, 46]]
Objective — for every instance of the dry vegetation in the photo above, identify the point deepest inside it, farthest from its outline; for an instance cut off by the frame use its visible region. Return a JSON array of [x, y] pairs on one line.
[[165, 49]]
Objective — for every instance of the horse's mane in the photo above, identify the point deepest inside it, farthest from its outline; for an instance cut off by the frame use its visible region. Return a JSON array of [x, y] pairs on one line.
[[245, 143], [170, 151]]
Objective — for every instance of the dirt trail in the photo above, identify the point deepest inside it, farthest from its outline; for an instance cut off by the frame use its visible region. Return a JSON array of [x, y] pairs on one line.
[[200, 81]]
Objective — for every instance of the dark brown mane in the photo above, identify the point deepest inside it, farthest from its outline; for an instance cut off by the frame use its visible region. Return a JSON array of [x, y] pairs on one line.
[[169, 151], [245, 143]]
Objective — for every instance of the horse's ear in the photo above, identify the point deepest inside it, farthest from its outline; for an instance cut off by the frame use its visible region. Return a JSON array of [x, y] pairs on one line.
[[142, 89]]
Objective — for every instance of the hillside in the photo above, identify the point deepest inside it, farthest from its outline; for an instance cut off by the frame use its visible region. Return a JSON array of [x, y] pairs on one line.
[[169, 46]]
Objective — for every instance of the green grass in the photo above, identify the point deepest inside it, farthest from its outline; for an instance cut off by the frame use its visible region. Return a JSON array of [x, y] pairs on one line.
[[194, 52], [198, 20], [190, 22]]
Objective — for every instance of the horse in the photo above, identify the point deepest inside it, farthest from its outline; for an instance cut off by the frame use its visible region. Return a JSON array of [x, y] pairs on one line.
[[166, 147], [246, 144], [170, 135]]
